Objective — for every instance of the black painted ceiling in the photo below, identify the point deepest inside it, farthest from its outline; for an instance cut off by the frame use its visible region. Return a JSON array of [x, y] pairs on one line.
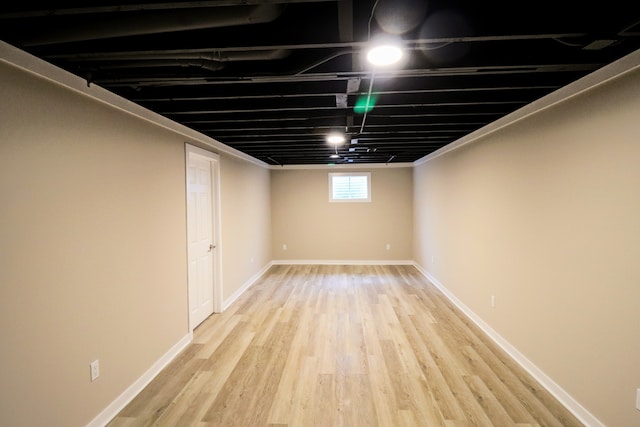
[[273, 78]]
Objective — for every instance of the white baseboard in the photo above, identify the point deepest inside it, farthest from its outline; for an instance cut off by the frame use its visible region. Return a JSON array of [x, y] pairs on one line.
[[132, 391], [561, 395], [340, 262], [246, 286]]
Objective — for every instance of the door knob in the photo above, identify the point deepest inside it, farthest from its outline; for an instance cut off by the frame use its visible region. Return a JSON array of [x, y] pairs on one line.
[[211, 247]]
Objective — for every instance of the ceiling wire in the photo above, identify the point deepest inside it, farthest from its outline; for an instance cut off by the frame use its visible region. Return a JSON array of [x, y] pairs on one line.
[[373, 72], [366, 105], [275, 161], [373, 11]]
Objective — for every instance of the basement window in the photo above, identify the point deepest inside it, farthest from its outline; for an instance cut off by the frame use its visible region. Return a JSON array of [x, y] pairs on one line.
[[350, 187]]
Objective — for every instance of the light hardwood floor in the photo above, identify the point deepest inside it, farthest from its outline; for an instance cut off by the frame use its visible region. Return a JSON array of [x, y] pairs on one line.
[[311, 345]]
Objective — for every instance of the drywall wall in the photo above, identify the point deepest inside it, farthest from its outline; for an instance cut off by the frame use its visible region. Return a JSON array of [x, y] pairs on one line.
[[246, 218], [93, 260], [317, 230], [93, 251], [544, 215]]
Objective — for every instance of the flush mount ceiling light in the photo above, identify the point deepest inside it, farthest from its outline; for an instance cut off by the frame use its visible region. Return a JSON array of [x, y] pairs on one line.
[[335, 138], [384, 54]]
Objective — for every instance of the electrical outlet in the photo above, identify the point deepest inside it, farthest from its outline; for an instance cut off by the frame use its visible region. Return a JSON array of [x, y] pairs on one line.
[[638, 399], [388, 246], [284, 247], [95, 370], [493, 301]]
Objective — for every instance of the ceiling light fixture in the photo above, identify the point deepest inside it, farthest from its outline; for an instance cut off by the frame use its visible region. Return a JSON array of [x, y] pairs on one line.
[[385, 54], [335, 138]]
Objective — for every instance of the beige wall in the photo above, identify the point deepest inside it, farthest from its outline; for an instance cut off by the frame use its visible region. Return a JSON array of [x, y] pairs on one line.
[[246, 217], [93, 247], [92, 255], [545, 215], [315, 229]]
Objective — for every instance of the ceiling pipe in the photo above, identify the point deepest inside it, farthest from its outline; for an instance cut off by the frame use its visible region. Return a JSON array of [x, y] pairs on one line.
[[251, 55], [136, 7], [211, 62], [199, 63], [93, 27], [215, 56]]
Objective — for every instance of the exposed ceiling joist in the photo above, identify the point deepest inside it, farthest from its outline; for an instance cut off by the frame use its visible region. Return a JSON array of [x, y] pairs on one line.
[[273, 78]]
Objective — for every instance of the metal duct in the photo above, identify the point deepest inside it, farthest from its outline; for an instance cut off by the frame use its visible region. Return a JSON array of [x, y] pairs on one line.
[[93, 27]]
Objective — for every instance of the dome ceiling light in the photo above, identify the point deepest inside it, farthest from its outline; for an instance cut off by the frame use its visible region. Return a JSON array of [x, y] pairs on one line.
[[335, 139], [383, 55]]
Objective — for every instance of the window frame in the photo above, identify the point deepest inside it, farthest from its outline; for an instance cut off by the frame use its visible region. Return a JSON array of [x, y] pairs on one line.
[[362, 200]]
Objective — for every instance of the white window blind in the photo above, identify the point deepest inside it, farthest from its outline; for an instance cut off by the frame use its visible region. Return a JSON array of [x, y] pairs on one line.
[[349, 187]]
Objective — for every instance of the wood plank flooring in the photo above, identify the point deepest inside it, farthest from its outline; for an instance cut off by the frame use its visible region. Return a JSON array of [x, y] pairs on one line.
[[319, 345]]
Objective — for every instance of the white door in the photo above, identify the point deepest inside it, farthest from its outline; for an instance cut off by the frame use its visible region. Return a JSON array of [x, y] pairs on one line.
[[201, 233]]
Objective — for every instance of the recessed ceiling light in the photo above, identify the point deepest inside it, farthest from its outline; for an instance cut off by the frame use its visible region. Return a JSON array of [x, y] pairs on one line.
[[385, 54], [335, 138]]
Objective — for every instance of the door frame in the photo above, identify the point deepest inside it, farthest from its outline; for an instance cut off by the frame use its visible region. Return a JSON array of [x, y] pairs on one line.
[[216, 225]]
